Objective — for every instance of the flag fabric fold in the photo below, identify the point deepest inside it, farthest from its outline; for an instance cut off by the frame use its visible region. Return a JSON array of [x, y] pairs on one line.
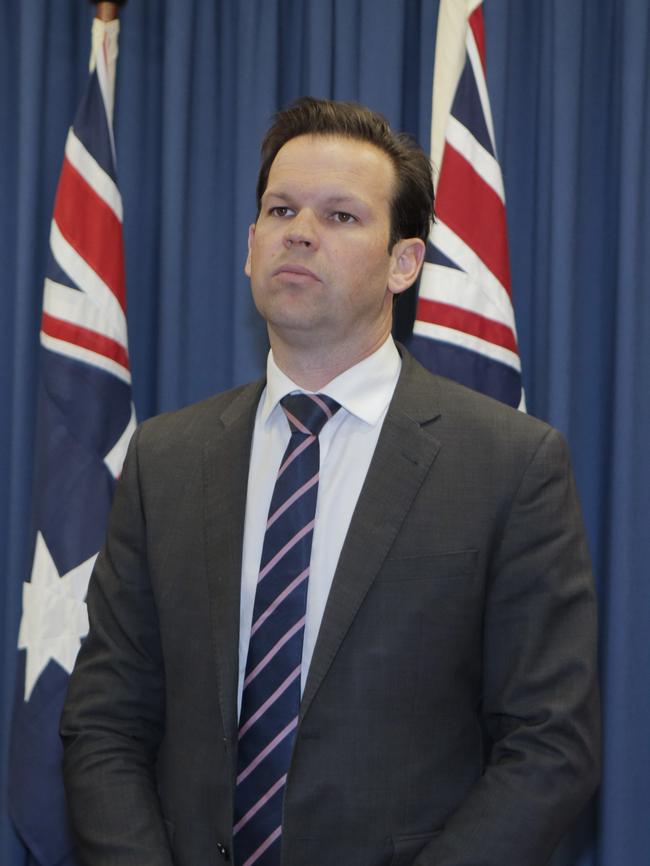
[[85, 418], [464, 324]]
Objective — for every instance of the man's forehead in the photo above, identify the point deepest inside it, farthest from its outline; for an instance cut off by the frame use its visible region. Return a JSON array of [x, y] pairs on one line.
[[340, 159]]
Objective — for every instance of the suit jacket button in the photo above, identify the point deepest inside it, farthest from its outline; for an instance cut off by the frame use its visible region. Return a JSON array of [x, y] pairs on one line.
[[221, 848]]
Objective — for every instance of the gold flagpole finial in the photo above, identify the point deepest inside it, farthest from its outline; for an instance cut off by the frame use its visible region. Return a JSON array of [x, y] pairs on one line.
[[106, 11]]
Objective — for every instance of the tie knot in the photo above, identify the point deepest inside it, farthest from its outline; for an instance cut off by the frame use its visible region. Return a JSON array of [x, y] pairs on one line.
[[308, 413]]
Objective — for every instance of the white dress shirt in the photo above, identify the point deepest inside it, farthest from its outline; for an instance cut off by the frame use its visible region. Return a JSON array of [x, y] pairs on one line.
[[347, 443]]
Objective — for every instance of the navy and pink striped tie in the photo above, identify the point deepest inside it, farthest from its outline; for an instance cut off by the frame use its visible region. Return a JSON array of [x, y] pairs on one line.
[[271, 695]]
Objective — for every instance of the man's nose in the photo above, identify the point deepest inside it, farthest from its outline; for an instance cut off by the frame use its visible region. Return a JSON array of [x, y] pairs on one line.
[[302, 230]]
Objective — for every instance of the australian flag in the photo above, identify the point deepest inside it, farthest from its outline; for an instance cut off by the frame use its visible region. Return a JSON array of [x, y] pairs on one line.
[[85, 419], [464, 325]]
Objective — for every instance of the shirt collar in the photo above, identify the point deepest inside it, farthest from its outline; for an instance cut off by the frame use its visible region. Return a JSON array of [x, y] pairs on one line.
[[364, 390]]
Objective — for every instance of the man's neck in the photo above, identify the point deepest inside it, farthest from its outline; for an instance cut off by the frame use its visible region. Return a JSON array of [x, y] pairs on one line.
[[312, 370]]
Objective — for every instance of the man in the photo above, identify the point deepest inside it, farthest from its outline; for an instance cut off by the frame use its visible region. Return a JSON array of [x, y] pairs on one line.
[[427, 690]]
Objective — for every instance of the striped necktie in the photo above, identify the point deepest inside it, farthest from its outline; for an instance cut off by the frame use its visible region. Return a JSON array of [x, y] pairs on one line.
[[271, 695]]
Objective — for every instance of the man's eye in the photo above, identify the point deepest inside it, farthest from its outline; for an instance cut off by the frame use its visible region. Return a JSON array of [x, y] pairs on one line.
[[342, 216], [279, 210]]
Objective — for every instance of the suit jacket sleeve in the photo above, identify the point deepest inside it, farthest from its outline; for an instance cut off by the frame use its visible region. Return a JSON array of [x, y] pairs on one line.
[[113, 718], [540, 696]]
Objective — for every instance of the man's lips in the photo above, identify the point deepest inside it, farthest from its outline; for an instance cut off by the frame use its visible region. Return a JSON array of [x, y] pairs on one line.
[[294, 271]]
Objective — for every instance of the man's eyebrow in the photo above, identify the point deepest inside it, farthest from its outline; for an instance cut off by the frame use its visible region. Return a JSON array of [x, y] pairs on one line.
[[276, 193]]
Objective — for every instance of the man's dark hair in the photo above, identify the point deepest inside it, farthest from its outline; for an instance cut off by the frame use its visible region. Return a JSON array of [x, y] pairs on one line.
[[412, 205]]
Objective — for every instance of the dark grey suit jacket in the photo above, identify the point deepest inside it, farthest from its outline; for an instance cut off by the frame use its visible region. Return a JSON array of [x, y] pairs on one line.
[[450, 714]]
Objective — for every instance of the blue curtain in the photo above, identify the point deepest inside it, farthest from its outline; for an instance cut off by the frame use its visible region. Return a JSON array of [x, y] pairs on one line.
[[197, 83]]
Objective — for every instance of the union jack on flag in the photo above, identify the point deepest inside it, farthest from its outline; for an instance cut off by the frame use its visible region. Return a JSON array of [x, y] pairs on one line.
[[84, 422], [464, 324]]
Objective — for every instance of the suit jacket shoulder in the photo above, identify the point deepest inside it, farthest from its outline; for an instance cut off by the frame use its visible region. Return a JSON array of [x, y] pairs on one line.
[[458, 405], [191, 426]]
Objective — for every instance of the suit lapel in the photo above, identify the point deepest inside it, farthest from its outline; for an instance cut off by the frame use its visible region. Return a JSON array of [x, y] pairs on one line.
[[226, 459], [402, 459]]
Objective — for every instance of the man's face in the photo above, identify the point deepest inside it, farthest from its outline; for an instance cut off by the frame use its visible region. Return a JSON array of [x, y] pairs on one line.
[[318, 257]]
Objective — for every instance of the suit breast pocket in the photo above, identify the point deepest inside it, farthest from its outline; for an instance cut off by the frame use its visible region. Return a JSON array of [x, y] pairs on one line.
[[439, 566], [420, 613]]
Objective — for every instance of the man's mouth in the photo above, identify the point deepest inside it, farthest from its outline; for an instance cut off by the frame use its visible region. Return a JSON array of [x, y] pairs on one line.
[[297, 271]]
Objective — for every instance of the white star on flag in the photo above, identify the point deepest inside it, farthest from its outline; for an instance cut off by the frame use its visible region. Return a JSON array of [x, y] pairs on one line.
[[54, 614]]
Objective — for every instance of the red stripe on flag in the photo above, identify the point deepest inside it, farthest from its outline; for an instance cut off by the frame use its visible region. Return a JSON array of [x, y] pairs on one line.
[[473, 210], [90, 226], [85, 339], [465, 321], [478, 29]]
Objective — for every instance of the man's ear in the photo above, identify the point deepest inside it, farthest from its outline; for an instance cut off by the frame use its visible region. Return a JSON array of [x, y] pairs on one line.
[[247, 263], [406, 257]]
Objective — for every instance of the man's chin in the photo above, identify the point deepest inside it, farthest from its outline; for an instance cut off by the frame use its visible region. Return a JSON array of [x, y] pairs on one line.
[[300, 329]]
